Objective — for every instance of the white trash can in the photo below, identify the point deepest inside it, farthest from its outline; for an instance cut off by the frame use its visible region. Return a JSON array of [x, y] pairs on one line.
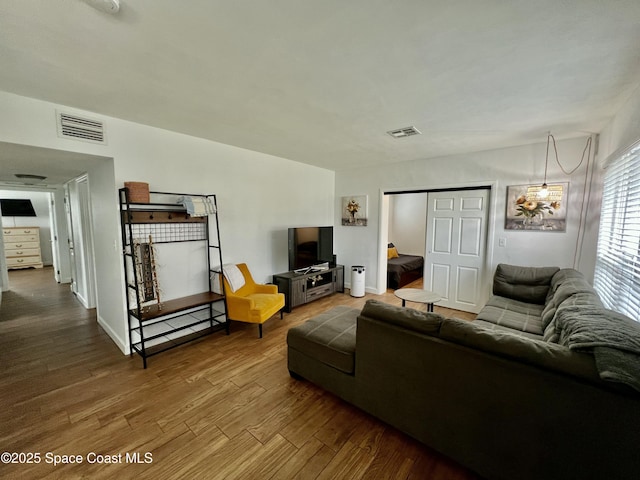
[[357, 281]]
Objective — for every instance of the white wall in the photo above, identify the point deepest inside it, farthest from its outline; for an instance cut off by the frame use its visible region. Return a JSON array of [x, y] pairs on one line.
[[408, 222], [622, 131], [499, 168], [624, 128], [259, 195], [40, 201]]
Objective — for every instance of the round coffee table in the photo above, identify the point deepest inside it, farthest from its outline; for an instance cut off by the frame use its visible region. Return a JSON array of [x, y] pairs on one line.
[[418, 295]]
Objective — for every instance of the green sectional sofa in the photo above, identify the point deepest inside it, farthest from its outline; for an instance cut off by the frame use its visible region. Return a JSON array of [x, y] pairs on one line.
[[520, 393]]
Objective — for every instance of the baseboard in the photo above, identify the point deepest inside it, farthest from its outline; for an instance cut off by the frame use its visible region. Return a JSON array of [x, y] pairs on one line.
[[82, 300], [347, 286], [122, 345]]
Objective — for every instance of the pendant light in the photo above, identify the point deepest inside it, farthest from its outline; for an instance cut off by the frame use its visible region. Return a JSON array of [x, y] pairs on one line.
[[544, 189], [542, 192]]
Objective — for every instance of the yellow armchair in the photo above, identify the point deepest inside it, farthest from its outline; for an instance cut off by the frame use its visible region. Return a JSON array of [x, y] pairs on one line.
[[253, 302]]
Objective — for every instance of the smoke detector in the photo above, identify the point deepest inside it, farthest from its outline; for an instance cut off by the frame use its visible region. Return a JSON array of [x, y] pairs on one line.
[[107, 6]]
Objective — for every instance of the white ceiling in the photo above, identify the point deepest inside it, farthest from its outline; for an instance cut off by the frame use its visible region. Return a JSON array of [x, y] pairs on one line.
[[320, 82], [58, 166]]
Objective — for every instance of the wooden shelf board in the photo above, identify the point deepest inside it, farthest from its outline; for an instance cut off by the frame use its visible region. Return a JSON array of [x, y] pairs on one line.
[[178, 305], [161, 216]]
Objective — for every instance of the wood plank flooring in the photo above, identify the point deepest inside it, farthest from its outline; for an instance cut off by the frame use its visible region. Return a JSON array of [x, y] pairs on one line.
[[224, 407]]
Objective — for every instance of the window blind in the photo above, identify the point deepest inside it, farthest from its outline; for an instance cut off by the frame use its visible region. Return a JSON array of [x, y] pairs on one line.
[[617, 272]]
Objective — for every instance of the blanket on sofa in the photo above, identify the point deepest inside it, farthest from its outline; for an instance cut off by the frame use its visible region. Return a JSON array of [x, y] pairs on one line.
[[613, 338]]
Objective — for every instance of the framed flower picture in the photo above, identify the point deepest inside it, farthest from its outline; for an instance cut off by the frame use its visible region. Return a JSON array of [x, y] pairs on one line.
[[530, 209], [354, 211]]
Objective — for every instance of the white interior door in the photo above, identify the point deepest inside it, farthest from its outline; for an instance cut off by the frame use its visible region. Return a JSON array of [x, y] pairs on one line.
[[456, 247], [55, 250], [69, 187], [81, 241], [59, 231]]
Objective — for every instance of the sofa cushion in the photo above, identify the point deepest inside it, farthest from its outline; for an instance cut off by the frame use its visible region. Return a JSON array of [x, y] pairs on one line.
[[568, 277], [423, 322], [499, 328], [538, 353], [527, 284], [514, 314], [329, 337], [550, 333], [573, 291], [570, 289], [564, 275]]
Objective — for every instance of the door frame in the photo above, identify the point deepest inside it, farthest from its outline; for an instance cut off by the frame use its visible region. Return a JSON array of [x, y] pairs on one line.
[[383, 239]]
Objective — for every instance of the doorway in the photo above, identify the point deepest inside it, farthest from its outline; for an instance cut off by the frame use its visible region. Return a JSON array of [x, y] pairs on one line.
[[51, 246], [48, 170], [451, 226], [28, 232]]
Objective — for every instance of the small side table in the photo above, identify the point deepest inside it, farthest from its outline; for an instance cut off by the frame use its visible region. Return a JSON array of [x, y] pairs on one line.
[[418, 295]]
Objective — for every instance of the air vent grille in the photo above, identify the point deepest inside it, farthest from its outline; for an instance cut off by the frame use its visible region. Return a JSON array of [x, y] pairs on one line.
[[80, 128], [404, 132]]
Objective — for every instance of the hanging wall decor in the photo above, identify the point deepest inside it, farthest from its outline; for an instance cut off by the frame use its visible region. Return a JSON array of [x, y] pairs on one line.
[[354, 211], [146, 273], [528, 209]]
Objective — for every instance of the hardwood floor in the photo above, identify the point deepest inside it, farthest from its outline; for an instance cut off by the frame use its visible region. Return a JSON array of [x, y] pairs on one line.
[[224, 407]]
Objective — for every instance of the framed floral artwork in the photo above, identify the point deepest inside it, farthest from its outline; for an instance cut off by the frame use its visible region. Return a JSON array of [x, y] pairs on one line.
[[354, 211], [529, 209]]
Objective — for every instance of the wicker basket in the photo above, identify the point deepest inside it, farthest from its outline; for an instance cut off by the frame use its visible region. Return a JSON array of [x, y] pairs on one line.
[[138, 192]]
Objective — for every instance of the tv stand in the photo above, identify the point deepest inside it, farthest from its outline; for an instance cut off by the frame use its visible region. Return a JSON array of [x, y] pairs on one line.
[[300, 288]]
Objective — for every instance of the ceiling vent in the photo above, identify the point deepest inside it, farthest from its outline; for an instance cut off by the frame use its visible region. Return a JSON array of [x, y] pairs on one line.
[[404, 132], [80, 128]]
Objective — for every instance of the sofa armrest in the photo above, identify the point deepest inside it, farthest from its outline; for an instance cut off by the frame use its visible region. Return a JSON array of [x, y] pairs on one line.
[[419, 321], [239, 307], [259, 288]]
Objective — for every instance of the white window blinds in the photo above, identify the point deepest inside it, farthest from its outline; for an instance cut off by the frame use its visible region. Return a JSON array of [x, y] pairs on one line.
[[617, 273]]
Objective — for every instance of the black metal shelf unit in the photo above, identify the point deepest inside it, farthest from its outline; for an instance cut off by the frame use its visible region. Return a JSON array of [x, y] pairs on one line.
[[155, 327]]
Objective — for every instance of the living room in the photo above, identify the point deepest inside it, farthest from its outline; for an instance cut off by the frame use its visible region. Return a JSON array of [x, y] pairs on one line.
[[263, 189]]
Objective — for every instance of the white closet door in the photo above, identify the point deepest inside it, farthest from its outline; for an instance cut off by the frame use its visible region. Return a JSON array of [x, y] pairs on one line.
[[456, 247]]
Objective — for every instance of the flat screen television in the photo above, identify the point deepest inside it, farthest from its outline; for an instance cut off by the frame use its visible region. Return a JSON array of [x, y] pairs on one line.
[[17, 207], [309, 246]]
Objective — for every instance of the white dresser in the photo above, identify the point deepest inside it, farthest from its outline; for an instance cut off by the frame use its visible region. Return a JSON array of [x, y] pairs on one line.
[[22, 247]]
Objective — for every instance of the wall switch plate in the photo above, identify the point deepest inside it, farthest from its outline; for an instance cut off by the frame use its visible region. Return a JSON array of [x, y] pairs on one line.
[[502, 242]]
